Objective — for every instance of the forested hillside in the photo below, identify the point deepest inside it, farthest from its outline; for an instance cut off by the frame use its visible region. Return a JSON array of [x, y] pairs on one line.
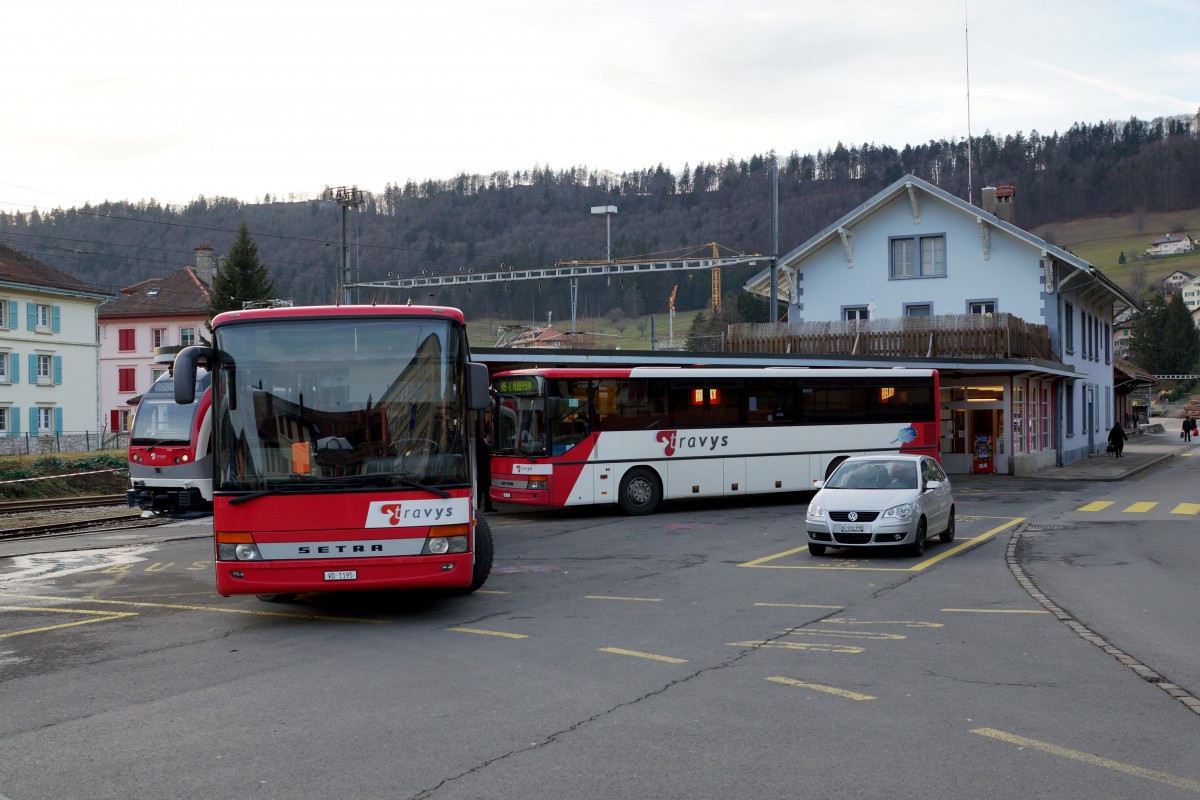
[[534, 217]]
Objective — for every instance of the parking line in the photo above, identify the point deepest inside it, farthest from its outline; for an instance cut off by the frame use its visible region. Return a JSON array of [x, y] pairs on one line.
[[1139, 508], [1186, 508], [997, 610], [631, 599], [483, 632], [180, 607], [97, 616], [797, 605], [832, 564], [1096, 505], [820, 688], [1094, 760], [651, 656]]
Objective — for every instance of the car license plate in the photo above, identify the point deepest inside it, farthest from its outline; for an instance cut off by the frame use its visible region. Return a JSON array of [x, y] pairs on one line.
[[852, 529], [342, 575]]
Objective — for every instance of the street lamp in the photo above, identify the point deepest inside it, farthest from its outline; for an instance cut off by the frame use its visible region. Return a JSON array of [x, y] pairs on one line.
[[600, 211]]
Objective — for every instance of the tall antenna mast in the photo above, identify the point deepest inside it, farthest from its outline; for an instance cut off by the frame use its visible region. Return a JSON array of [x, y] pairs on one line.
[[967, 38]]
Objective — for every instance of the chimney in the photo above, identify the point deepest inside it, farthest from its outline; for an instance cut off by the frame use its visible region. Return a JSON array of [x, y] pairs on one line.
[[206, 265], [989, 199], [1005, 197]]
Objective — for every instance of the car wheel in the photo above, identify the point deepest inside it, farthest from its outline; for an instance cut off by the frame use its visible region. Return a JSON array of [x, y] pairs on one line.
[[948, 535], [640, 491], [816, 549], [917, 548], [284, 597]]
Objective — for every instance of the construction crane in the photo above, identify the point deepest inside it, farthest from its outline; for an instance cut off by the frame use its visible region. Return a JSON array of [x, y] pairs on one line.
[[716, 283]]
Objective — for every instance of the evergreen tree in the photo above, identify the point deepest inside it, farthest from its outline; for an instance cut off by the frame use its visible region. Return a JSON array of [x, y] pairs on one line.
[[241, 278], [1164, 338]]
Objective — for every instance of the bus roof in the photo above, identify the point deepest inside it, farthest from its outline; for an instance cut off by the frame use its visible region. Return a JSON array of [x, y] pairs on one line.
[[311, 312], [577, 373]]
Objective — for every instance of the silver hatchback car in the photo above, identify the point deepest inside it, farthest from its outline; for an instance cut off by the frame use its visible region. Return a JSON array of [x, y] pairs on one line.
[[884, 500]]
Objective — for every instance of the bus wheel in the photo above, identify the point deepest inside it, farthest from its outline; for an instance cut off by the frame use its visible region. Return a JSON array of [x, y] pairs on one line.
[[640, 491], [483, 558], [284, 597]]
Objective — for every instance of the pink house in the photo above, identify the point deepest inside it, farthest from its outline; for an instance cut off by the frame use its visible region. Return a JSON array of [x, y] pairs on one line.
[[153, 318]]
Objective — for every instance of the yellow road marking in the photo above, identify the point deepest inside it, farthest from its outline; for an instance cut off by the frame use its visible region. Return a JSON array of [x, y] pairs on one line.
[[797, 605], [488, 591], [997, 610], [1094, 760], [97, 616], [1139, 508], [816, 647], [180, 607], [848, 634], [818, 687], [958, 548], [1186, 508], [905, 623], [1096, 505], [635, 653], [632, 599], [483, 632]]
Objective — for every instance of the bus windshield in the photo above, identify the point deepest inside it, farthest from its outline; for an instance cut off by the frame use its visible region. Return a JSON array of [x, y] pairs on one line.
[[340, 402], [159, 420], [520, 416]]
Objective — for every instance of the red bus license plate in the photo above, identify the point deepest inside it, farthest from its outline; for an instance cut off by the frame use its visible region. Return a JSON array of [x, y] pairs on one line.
[[342, 575]]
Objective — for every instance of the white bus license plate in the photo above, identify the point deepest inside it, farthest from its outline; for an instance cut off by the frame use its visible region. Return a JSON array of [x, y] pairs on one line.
[[852, 529], [342, 575]]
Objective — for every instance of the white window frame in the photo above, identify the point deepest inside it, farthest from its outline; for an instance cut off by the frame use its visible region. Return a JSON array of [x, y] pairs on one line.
[[45, 420], [913, 257], [187, 337], [980, 307], [43, 316], [909, 307], [4, 376], [853, 313], [5, 324], [159, 337], [45, 371], [5, 415]]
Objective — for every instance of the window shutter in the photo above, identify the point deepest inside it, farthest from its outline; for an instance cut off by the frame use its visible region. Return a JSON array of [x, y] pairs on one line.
[[58, 421], [14, 368], [15, 419], [14, 308], [31, 316], [33, 415], [56, 319], [114, 420], [58, 370], [33, 367]]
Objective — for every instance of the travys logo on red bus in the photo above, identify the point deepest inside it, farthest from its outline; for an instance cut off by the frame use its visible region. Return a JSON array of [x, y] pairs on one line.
[[418, 513], [705, 443]]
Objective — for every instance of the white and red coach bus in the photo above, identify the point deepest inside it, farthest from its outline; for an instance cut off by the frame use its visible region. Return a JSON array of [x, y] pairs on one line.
[[343, 454], [641, 435]]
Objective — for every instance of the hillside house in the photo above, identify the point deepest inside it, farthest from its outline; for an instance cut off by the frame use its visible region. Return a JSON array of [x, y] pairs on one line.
[[1170, 244], [48, 351], [142, 330], [1020, 330]]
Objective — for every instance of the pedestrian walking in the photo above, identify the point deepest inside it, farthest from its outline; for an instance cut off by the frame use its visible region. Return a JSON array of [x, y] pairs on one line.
[[1116, 439], [1189, 427]]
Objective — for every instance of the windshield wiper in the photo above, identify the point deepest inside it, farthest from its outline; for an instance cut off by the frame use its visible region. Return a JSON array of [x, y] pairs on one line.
[[290, 488], [376, 480]]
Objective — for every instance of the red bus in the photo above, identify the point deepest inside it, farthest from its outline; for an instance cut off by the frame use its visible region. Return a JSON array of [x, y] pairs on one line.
[[343, 455], [638, 436]]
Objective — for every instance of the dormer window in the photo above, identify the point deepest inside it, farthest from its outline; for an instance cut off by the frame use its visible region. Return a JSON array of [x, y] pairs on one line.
[[153, 292]]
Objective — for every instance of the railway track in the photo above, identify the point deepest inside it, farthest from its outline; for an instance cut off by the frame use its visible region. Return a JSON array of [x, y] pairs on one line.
[[65, 516], [13, 506]]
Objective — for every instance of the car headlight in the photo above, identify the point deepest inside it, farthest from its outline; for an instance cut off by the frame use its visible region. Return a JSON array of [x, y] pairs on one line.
[[815, 512], [901, 512]]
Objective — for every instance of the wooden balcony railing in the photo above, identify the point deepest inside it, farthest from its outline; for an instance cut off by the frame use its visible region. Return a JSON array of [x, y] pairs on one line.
[[957, 336]]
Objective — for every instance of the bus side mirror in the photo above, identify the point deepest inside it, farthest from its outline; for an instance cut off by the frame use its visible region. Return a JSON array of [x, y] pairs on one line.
[[184, 372], [478, 396]]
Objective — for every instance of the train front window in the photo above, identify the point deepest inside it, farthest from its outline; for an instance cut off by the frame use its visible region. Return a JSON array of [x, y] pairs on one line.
[[374, 402], [159, 420]]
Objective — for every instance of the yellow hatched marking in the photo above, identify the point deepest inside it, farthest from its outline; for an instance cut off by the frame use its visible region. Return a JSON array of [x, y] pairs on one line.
[[96, 616], [1139, 508], [631, 599], [797, 605], [1096, 505], [996, 610], [1186, 508], [819, 688], [636, 654], [812, 647], [1094, 760], [483, 632]]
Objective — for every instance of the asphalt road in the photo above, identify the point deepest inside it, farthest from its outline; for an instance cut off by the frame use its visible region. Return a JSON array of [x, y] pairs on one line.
[[697, 653]]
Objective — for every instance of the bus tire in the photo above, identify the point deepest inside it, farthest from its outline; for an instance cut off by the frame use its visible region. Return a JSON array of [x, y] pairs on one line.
[[484, 551], [640, 491], [282, 597]]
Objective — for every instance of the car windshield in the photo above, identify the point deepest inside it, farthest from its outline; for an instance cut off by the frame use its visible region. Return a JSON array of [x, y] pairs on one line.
[[882, 474]]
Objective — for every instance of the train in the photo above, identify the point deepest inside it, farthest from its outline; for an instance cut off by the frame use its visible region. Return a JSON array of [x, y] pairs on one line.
[[170, 449]]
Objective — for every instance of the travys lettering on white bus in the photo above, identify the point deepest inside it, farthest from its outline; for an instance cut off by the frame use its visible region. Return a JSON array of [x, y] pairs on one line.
[[674, 442]]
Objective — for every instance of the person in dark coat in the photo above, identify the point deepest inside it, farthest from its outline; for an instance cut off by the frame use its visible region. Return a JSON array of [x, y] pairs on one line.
[[1116, 439], [483, 467]]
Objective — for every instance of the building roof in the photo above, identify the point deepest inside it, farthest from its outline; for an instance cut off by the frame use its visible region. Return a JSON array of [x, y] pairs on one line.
[[20, 270], [910, 185], [179, 294]]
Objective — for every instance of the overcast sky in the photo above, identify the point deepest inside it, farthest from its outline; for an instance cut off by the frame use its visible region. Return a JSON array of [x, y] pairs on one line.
[[140, 99]]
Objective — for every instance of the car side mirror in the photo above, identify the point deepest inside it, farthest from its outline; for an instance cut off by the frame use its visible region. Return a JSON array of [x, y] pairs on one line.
[[818, 484], [933, 485]]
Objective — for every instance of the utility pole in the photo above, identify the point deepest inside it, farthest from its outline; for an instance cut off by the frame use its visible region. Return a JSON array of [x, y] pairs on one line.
[[600, 211], [346, 197]]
